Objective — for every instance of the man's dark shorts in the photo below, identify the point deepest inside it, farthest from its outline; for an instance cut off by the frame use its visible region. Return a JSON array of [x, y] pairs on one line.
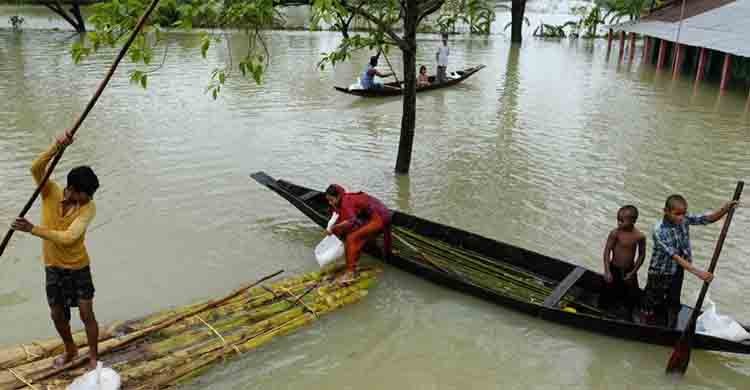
[[66, 287]]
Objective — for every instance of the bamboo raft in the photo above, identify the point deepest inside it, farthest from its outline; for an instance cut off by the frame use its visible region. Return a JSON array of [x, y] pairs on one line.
[[171, 347]]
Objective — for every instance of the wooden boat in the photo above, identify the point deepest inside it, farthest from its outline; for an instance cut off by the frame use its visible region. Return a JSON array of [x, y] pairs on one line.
[[171, 347], [394, 88], [572, 291]]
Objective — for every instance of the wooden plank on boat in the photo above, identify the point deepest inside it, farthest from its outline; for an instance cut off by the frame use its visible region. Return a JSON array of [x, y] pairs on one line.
[[309, 195], [559, 292]]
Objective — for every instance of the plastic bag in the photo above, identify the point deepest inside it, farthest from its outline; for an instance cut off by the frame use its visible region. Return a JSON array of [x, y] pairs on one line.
[[99, 379], [356, 86], [330, 248], [714, 324], [332, 221]]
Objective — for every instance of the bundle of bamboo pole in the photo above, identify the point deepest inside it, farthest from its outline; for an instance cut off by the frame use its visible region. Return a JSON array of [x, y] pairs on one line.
[[477, 269], [173, 346]]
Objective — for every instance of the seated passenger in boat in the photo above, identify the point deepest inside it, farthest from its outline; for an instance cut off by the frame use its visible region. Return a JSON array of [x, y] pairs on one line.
[[620, 269], [423, 80], [368, 76], [361, 218]]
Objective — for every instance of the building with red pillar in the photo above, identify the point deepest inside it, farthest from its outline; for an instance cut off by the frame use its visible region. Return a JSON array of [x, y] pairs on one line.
[[710, 42]]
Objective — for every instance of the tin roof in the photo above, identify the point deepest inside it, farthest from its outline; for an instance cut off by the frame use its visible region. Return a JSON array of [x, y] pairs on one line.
[[722, 25]]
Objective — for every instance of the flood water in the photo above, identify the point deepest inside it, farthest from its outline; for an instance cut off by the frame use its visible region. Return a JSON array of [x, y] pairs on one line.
[[538, 150]]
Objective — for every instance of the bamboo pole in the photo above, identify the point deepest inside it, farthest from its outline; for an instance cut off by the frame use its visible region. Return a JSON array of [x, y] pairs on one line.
[[390, 66], [81, 118]]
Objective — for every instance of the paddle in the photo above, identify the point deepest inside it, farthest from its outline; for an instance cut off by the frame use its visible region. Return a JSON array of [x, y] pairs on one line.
[[80, 119], [393, 72], [680, 358]]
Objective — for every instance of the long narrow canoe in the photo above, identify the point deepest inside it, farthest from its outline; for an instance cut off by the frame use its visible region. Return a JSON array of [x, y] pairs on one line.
[[573, 291], [394, 88]]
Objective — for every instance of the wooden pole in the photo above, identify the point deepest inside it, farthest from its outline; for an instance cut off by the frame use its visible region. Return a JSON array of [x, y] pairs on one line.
[[725, 74], [83, 116], [680, 357], [632, 46], [622, 44], [646, 50], [662, 54], [700, 73], [389, 65]]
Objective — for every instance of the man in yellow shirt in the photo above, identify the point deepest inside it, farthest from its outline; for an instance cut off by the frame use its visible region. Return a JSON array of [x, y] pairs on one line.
[[66, 214]]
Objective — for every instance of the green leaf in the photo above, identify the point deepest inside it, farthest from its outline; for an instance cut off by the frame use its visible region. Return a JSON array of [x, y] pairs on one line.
[[135, 77], [143, 81], [147, 55], [205, 44]]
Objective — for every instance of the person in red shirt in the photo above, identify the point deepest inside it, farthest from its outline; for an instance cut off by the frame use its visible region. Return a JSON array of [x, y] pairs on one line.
[[361, 218]]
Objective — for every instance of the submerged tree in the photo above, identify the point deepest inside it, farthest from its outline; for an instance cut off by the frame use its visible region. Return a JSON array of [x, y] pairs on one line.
[[518, 9], [394, 23], [70, 10]]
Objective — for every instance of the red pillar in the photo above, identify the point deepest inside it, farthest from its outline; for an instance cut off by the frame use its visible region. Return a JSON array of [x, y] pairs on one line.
[[632, 46], [646, 50], [662, 53], [679, 57], [622, 43], [702, 57], [725, 75]]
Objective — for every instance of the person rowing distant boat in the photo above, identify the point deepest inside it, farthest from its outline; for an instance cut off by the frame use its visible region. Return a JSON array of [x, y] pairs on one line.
[[368, 76], [361, 218]]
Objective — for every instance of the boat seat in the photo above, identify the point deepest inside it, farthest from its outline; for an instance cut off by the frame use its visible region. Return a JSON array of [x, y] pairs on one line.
[[562, 288], [309, 195]]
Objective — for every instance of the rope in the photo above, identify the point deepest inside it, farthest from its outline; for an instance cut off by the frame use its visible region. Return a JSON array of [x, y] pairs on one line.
[[20, 378], [29, 355], [224, 341], [297, 300]]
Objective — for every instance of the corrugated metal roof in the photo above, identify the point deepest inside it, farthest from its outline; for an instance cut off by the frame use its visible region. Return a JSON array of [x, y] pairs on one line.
[[726, 29], [672, 12]]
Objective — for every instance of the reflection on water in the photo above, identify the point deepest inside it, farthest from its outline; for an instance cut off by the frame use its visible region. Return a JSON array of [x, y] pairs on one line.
[[539, 149]]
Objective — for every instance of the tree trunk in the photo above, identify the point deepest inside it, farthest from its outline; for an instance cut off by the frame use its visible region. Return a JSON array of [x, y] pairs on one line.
[[77, 23], [76, 11], [518, 7], [408, 119]]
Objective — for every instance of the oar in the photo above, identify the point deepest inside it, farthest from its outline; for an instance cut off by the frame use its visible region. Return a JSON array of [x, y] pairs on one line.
[[80, 119], [680, 358], [393, 72]]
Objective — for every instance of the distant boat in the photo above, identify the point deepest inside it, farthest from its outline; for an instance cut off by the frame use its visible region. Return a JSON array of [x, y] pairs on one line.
[[396, 89]]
